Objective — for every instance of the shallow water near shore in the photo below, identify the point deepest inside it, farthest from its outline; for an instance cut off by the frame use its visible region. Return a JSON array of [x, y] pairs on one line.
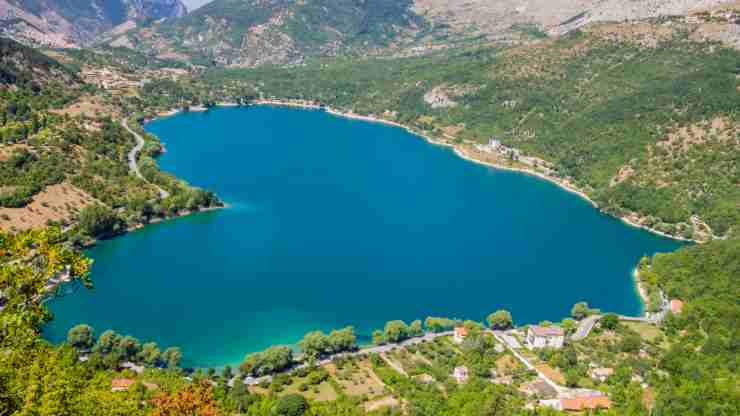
[[336, 222]]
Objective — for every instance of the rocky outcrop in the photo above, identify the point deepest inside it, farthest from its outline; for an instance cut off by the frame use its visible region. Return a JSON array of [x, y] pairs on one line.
[[61, 24]]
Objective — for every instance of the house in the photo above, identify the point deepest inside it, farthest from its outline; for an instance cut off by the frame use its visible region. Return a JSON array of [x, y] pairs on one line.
[[551, 403], [544, 337], [121, 384], [538, 388], [460, 374], [676, 306], [459, 335], [138, 369], [494, 143], [601, 374], [577, 404]]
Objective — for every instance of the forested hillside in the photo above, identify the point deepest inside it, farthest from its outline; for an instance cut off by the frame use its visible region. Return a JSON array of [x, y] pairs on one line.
[[641, 117], [60, 164]]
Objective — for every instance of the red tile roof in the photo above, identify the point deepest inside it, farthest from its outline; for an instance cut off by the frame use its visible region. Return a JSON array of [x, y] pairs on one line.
[[676, 305], [547, 331], [461, 331], [588, 402], [121, 383]]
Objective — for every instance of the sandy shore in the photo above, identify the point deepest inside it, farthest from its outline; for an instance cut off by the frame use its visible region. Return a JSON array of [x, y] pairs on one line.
[[640, 289]]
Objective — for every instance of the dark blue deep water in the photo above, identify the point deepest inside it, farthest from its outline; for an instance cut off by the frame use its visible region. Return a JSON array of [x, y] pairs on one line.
[[338, 222]]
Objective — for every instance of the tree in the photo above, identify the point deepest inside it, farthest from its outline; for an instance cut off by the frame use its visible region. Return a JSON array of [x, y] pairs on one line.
[[128, 347], [378, 338], [239, 397], [581, 310], [81, 337], [273, 359], [107, 342], [291, 405], [341, 340], [99, 221], [610, 321], [193, 400], [415, 329], [314, 344], [569, 325], [171, 357], [227, 373], [630, 343], [500, 319], [439, 324], [395, 331], [150, 354]]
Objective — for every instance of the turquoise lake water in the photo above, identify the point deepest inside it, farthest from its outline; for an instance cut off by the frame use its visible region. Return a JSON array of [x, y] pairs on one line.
[[338, 222]]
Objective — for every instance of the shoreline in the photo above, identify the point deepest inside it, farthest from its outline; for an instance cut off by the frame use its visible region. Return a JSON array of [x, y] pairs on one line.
[[460, 152], [641, 292]]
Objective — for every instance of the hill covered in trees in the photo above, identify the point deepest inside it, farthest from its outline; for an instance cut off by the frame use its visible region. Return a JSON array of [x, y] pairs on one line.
[[60, 165]]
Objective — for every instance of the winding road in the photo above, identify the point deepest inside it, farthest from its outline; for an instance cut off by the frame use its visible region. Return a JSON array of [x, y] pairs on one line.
[[132, 163]]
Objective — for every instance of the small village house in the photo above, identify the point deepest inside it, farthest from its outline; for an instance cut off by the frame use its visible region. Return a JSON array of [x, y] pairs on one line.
[[460, 374], [601, 374], [539, 388], [459, 335], [581, 403], [676, 306], [121, 384], [545, 337]]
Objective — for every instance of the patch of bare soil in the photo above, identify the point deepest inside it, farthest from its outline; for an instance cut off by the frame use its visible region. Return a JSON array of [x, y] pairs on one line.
[[719, 129], [644, 34], [89, 107], [56, 203], [388, 401]]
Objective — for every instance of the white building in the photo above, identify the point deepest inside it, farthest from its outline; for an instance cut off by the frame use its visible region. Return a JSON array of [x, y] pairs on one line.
[[459, 335], [545, 337], [460, 374]]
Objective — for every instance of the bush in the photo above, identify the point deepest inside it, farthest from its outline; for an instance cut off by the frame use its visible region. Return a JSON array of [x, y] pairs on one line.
[[630, 343], [291, 405]]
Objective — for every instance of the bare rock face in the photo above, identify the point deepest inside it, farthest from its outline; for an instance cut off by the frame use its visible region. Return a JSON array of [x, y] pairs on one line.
[[59, 23], [156, 9]]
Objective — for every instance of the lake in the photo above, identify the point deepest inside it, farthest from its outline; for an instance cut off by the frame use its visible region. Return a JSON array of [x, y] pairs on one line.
[[336, 222]]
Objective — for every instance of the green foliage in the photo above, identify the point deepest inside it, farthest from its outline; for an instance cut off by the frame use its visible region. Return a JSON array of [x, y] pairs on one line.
[[315, 344], [609, 321], [440, 324], [703, 363], [581, 310], [500, 319], [396, 331], [99, 221], [268, 361], [291, 405], [81, 337]]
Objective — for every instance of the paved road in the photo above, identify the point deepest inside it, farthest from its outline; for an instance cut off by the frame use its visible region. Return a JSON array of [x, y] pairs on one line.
[[132, 163], [370, 350], [585, 327]]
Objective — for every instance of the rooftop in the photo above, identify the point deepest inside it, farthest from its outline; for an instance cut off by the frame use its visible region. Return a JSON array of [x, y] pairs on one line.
[[547, 331], [587, 402]]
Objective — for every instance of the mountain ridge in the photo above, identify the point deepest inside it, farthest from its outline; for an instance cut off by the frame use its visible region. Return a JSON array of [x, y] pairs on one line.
[[71, 23]]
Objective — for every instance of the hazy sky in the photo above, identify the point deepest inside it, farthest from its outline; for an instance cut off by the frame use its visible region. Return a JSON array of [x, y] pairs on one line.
[[194, 4]]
